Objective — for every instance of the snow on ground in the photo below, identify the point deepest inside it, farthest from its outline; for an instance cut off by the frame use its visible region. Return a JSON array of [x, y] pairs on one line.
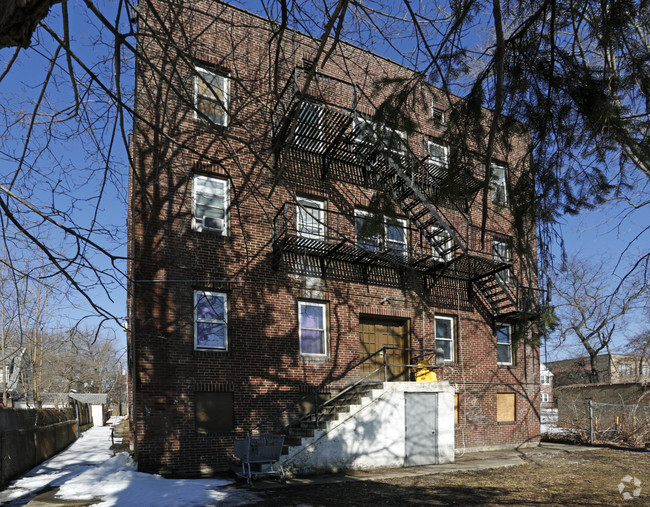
[[87, 470]]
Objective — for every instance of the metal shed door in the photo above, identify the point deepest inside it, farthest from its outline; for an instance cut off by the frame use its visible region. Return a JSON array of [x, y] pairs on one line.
[[421, 428]]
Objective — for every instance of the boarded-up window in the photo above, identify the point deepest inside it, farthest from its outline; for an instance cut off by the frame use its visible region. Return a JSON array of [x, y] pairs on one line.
[[214, 412], [505, 407]]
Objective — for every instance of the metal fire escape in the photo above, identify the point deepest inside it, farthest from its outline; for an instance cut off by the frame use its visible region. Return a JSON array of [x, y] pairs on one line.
[[331, 122]]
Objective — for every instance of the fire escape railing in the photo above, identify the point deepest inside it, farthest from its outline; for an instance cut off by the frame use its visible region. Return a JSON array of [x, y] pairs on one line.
[[332, 120], [332, 234]]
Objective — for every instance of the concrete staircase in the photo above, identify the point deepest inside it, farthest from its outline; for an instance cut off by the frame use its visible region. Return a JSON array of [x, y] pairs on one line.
[[365, 428], [304, 434]]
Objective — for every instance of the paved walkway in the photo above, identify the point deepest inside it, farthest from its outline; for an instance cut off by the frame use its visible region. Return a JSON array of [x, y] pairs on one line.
[[58, 473]]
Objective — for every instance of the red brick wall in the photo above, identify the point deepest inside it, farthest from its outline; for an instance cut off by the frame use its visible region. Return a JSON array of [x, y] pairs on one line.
[[263, 367]]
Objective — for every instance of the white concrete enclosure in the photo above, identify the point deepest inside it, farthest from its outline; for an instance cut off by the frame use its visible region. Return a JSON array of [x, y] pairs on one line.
[[399, 424]]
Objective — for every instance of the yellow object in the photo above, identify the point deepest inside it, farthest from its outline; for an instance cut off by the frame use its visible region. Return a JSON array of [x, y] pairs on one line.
[[424, 373]]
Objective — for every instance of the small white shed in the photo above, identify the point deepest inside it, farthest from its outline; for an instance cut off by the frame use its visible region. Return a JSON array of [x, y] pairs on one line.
[[97, 402]]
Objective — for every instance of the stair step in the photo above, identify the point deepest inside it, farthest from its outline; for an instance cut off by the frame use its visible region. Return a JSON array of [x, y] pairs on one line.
[[300, 432], [292, 441]]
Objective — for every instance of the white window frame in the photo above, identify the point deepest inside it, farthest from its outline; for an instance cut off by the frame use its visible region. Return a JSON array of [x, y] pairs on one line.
[[499, 185], [310, 210], [451, 340], [545, 398], [202, 72], [198, 221], [402, 246], [197, 296], [501, 254], [625, 369], [303, 134], [324, 330], [507, 344], [436, 161], [383, 241], [368, 134], [645, 370], [441, 235], [437, 112], [545, 380], [365, 242]]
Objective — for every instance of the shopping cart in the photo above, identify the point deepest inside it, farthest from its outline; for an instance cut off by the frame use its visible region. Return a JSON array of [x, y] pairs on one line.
[[260, 450]]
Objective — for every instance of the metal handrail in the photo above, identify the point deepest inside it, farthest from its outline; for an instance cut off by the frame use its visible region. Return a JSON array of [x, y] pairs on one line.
[[318, 406]]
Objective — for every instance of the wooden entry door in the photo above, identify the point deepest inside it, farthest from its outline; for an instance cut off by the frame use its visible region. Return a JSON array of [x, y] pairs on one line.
[[376, 334]]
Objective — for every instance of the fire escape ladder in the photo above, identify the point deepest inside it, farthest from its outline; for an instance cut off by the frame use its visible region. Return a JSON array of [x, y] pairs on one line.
[[499, 290], [447, 244]]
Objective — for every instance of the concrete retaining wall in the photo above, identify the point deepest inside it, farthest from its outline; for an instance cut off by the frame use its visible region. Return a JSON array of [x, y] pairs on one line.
[[29, 437]]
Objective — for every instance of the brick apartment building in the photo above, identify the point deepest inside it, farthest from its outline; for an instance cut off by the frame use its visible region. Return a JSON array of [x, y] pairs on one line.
[[280, 234]]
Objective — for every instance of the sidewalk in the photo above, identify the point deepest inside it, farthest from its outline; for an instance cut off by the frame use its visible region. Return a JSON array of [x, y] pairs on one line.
[[87, 473]]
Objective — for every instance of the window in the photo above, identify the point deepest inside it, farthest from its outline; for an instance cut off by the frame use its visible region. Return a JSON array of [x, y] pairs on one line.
[[211, 96], [367, 132], [309, 131], [438, 116], [214, 412], [442, 244], [445, 336], [312, 318], [504, 344], [438, 155], [498, 185], [210, 204], [501, 255], [367, 234], [210, 320], [506, 407], [396, 235], [310, 217], [625, 369], [373, 230], [546, 380], [545, 398], [645, 370]]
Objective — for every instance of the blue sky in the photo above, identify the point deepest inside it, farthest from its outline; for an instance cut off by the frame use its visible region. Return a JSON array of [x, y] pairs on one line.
[[597, 234]]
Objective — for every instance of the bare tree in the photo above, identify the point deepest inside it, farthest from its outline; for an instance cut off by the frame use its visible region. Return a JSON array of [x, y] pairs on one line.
[[573, 77], [589, 312]]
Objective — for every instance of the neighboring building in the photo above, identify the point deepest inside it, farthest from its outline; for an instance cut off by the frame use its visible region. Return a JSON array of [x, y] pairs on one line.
[[545, 387], [284, 246], [98, 405], [611, 369]]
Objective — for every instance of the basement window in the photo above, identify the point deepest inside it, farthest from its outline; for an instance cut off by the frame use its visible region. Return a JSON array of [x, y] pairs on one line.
[[214, 412]]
